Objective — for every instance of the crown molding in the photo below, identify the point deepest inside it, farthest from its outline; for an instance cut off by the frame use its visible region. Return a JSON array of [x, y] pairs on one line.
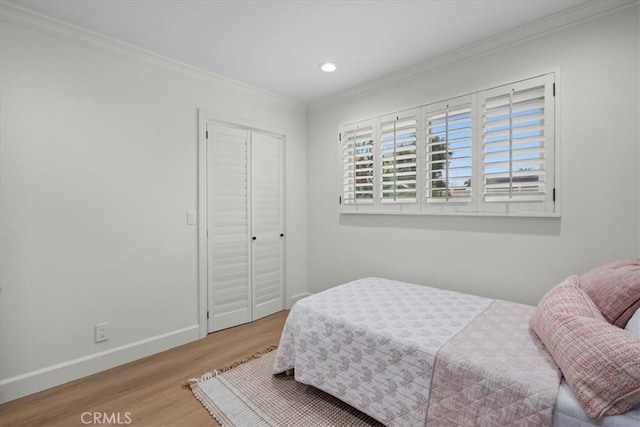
[[12, 13], [569, 17], [18, 15]]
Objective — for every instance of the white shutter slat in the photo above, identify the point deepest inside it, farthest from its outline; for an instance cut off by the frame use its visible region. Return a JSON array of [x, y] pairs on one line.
[[536, 141], [233, 287], [524, 131], [230, 305], [495, 123], [514, 164], [233, 292], [524, 96], [497, 104]]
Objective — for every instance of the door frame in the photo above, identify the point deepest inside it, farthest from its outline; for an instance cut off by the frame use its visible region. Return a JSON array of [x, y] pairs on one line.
[[209, 118]]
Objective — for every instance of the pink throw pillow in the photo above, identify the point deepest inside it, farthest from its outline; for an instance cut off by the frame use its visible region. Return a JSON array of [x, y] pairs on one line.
[[615, 289], [601, 362]]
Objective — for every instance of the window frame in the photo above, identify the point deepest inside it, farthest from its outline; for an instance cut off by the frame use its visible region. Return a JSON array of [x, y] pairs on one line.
[[476, 205]]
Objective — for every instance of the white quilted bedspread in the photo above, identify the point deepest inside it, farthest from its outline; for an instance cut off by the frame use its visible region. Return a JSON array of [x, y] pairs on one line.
[[373, 343]]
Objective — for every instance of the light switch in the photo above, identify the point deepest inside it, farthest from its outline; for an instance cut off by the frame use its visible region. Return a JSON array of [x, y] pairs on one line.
[[191, 217]]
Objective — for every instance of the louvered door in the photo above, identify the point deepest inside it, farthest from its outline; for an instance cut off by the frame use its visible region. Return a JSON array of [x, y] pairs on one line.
[[267, 219], [245, 226], [229, 229]]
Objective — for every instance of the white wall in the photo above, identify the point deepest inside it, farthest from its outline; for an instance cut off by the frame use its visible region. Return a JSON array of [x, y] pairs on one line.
[[99, 167], [510, 258]]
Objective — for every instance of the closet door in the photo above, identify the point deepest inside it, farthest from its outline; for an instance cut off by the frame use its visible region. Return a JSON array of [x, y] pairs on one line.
[[268, 224], [229, 227]]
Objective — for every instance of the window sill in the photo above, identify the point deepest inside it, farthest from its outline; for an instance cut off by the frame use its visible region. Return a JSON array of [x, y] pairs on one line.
[[460, 214]]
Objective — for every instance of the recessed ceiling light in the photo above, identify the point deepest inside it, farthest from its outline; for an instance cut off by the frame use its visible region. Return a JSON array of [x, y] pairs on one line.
[[328, 67]]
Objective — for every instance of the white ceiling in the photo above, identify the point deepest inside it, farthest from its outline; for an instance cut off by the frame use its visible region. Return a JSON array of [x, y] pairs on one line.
[[277, 45]]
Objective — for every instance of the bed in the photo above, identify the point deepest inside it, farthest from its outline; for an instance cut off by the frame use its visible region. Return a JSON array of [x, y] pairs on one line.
[[411, 355]]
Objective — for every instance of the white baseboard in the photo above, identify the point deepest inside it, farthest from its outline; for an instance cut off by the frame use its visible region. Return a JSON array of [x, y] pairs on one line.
[[297, 297], [51, 376]]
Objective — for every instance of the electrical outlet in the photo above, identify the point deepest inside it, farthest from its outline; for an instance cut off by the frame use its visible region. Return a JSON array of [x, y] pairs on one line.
[[102, 332]]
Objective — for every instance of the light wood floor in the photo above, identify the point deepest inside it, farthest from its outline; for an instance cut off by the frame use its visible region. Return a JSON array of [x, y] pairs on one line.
[[150, 389]]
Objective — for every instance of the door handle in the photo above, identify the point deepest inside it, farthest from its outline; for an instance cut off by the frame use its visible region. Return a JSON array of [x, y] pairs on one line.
[[253, 238]]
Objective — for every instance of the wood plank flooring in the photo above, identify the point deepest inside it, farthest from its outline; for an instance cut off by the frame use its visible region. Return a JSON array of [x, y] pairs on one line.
[[150, 389]]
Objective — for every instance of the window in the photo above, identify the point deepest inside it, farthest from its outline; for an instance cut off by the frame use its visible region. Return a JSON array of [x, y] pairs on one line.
[[489, 152]]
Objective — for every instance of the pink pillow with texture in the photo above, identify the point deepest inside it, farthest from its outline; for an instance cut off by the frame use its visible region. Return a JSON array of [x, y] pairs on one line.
[[601, 362], [615, 289]]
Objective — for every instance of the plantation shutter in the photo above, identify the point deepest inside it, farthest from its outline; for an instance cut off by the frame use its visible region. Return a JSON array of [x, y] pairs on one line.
[[357, 155], [449, 160], [518, 146], [489, 152], [398, 157]]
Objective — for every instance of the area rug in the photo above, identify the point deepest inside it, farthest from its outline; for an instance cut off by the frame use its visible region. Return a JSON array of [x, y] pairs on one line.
[[247, 394]]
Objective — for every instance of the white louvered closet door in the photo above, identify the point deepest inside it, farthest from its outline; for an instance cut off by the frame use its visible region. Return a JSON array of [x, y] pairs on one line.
[[229, 228], [268, 224]]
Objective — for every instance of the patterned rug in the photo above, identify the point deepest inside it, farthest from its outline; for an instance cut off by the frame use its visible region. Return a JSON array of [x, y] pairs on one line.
[[248, 395]]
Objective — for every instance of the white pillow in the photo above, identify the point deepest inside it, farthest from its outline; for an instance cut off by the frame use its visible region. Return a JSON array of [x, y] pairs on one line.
[[633, 325]]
